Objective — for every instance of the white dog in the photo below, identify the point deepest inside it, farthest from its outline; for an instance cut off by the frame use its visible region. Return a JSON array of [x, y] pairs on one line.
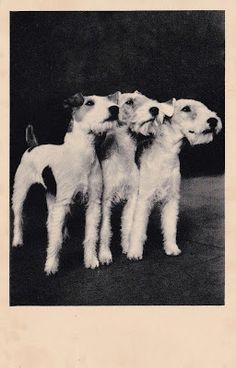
[[160, 171], [64, 170], [119, 153]]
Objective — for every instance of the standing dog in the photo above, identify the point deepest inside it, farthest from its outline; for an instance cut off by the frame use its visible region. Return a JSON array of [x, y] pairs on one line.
[[119, 162], [64, 170], [160, 171]]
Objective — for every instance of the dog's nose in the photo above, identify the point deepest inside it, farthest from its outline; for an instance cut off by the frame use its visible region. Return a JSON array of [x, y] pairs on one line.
[[212, 122], [114, 111], [154, 111]]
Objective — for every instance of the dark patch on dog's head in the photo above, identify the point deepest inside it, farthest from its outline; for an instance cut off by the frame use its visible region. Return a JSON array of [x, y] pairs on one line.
[[49, 180], [142, 142], [115, 97], [104, 145], [74, 101]]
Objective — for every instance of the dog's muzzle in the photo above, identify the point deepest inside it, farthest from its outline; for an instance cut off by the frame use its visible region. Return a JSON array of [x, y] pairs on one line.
[[114, 112], [210, 130], [147, 121], [154, 111], [212, 126]]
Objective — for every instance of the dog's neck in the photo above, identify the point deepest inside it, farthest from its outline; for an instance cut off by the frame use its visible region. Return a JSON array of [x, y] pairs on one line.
[[126, 145], [141, 143], [170, 136], [115, 141], [76, 133], [140, 139], [123, 137]]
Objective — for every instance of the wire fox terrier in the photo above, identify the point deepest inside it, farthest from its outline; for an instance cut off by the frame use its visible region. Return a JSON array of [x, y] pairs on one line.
[[160, 171], [120, 172], [64, 170]]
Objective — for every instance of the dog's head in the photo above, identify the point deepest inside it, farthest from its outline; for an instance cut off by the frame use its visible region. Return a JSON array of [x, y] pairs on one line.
[[195, 121], [94, 113], [142, 114]]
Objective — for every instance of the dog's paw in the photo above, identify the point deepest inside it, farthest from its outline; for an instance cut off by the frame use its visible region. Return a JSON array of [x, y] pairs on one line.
[[105, 256], [51, 266], [134, 254], [172, 250], [17, 244], [125, 247], [91, 262]]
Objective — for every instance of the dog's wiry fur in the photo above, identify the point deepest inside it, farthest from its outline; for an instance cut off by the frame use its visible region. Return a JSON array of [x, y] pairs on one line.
[[64, 170], [159, 179], [120, 172]]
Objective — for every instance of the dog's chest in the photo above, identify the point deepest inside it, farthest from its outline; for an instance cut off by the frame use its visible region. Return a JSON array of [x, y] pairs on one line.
[[160, 172], [120, 174]]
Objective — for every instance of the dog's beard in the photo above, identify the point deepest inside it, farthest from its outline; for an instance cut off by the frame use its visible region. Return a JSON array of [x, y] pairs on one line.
[[200, 138], [103, 127], [146, 128]]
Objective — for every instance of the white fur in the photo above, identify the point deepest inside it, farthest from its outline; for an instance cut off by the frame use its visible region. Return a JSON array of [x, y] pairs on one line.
[[76, 169], [160, 173], [120, 173]]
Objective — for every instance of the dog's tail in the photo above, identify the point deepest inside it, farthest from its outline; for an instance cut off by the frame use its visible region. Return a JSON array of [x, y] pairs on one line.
[[30, 137]]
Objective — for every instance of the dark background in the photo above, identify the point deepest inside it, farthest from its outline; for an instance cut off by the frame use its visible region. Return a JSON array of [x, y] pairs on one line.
[[163, 54]]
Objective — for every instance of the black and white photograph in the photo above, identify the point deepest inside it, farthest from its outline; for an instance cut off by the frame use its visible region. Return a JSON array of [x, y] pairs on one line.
[[117, 158]]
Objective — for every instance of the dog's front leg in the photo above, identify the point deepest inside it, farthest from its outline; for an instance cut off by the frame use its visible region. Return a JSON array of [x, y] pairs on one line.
[[169, 217], [105, 256], [93, 214], [93, 217], [56, 219], [139, 228], [127, 222]]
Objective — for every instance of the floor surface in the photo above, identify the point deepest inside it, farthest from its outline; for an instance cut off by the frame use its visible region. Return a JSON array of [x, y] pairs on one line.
[[196, 277]]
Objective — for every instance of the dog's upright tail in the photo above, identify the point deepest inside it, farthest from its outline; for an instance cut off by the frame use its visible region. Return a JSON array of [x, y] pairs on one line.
[[30, 137]]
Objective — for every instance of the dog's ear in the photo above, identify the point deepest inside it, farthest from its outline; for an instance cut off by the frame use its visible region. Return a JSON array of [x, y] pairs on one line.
[[168, 107], [76, 100], [137, 92], [115, 97]]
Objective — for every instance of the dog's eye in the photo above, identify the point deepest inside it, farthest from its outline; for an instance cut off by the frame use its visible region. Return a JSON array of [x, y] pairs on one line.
[[89, 103], [186, 109], [130, 102]]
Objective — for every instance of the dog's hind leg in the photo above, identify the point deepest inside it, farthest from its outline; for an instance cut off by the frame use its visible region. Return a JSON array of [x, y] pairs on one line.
[[127, 222], [22, 183]]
